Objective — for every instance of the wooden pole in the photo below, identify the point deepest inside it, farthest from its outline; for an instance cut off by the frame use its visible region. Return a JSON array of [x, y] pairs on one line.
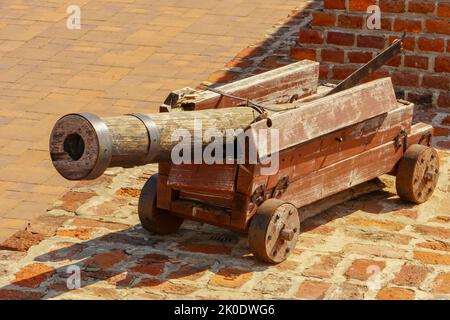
[[82, 146]]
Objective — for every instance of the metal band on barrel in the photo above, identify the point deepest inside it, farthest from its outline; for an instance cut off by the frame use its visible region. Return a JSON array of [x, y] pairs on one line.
[[104, 144], [153, 135]]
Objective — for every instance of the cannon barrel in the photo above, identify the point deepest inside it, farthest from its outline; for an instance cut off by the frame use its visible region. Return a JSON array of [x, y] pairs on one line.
[[83, 146]]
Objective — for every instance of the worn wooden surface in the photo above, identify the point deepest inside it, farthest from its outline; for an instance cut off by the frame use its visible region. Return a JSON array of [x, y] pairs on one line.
[[130, 139], [331, 148], [332, 183], [328, 114], [320, 206], [418, 174], [203, 177], [281, 85], [349, 172]]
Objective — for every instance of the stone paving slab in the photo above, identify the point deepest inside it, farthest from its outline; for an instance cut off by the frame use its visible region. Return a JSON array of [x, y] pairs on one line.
[[127, 56]]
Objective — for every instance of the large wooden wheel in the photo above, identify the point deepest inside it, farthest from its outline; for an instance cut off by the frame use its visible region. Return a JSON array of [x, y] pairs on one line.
[[152, 218], [274, 231], [417, 174]]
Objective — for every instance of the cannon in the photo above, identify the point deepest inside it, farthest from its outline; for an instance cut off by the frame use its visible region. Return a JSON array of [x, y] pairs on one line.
[[328, 142]]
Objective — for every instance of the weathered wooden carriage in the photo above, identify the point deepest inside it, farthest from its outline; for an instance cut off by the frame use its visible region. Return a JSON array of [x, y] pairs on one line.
[[331, 141]]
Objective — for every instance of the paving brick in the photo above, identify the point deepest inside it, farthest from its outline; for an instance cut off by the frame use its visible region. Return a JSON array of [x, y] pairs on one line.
[[21, 240], [79, 233], [6, 294], [361, 268], [205, 248], [442, 283], [72, 200], [432, 258], [16, 224], [90, 223], [410, 275], [230, 278], [167, 287], [324, 268], [435, 245], [438, 232], [312, 290], [395, 294], [348, 291], [106, 260], [151, 264], [32, 275], [27, 210]]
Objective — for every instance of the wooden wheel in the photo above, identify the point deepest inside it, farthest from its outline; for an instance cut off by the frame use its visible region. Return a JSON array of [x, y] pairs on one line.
[[274, 231], [417, 174], [152, 218]]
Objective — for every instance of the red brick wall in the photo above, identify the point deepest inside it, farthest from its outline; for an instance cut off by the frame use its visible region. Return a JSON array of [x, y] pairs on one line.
[[338, 37]]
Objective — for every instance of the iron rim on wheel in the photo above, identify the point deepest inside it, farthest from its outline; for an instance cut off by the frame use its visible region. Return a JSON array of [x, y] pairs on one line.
[[418, 174], [152, 218], [274, 231]]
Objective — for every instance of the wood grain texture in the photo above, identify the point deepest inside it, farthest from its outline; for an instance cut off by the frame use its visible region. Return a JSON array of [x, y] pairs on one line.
[[330, 148], [328, 114], [208, 178], [349, 172], [131, 141], [276, 86]]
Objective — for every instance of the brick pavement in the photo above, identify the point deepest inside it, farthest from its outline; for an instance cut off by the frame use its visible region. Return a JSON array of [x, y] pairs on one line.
[[126, 58], [95, 227]]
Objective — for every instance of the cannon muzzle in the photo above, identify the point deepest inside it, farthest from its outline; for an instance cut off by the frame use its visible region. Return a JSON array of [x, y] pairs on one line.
[[81, 146]]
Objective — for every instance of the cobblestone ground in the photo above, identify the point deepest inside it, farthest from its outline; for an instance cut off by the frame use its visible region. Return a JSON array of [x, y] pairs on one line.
[[95, 227], [127, 56]]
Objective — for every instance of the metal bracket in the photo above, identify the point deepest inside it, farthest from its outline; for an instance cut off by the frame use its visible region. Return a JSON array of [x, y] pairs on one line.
[[398, 140], [154, 137], [104, 143], [258, 195], [281, 187], [427, 135]]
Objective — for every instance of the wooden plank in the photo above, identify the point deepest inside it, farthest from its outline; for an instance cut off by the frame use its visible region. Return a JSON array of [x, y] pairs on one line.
[[241, 221], [218, 199], [328, 149], [165, 195], [243, 210], [203, 177], [355, 139], [164, 168], [200, 212], [320, 206], [328, 114], [276, 86], [349, 172]]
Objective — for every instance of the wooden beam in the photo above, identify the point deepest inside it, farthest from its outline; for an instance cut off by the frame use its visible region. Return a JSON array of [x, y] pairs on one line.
[[330, 148], [218, 178], [320, 206], [350, 172], [280, 85], [328, 114]]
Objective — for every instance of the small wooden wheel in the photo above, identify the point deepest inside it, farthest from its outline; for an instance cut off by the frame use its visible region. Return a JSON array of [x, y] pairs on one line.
[[152, 218], [417, 174], [274, 231]]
